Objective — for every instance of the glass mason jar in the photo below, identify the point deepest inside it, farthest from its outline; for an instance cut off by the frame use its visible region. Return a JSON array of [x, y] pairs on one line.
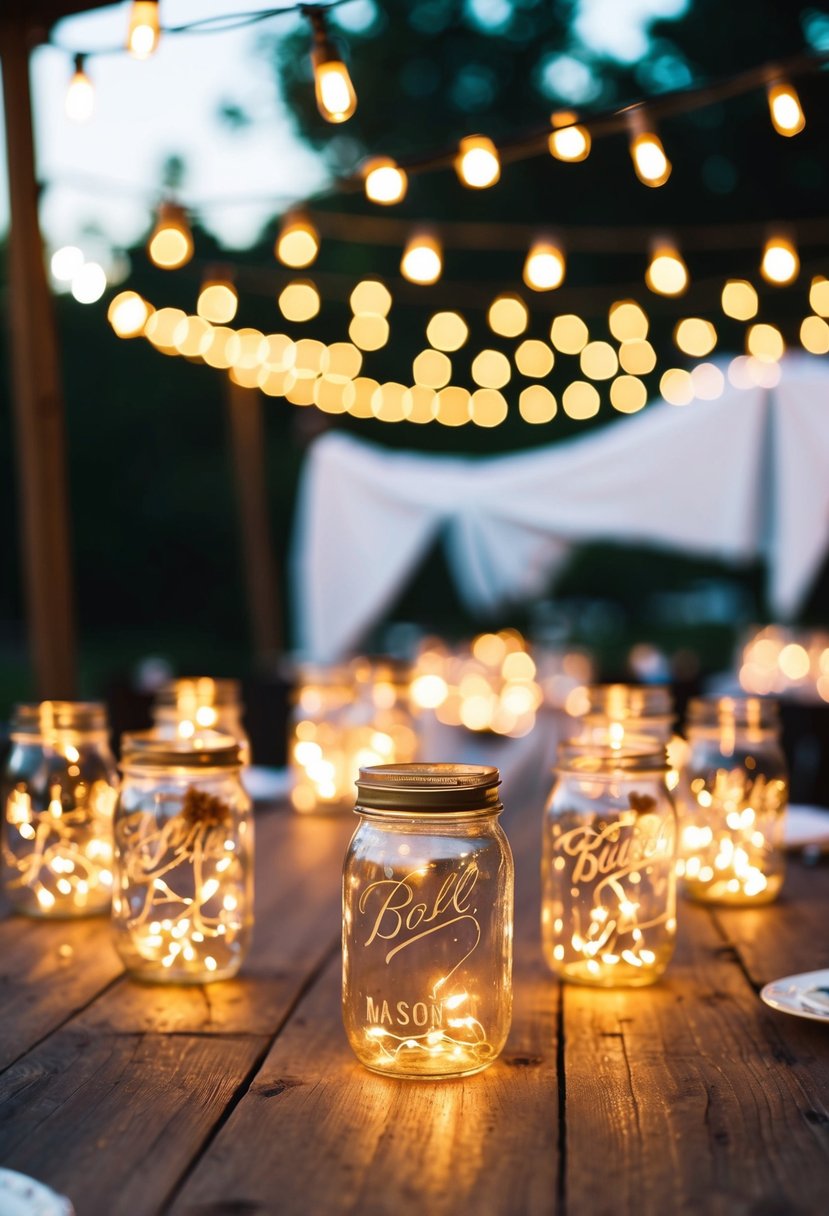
[[321, 778], [182, 908], [427, 921], [608, 914], [616, 712], [733, 797], [58, 794], [184, 707]]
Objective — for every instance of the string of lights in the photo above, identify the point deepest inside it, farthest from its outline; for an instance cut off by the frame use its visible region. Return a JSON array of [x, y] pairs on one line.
[[336, 98]]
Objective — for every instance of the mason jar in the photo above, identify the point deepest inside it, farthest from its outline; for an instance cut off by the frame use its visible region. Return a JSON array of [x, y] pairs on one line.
[[186, 706], [182, 908], [427, 921], [58, 793], [608, 915], [733, 797], [616, 712], [321, 777]]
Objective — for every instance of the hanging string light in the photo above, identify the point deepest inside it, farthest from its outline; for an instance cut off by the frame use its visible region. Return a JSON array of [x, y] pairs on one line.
[[785, 110], [780, 264], [422, 260], [80, 95], [336, 99], [171, 241], [298, 242], [218, 299], [545, 266], [667, 274], [569, 141], [739, 300], [649, 160], [144, 29], [477, 164], [384, 181]]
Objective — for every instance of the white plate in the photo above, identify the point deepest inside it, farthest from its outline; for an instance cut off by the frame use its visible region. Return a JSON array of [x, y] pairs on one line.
[[23, 1196], [805, 825], [806, 995], [267, 784]]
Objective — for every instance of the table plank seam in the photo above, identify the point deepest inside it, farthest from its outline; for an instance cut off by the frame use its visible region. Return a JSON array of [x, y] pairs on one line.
[[247, 1081], [561, 1077], [73, 1013]]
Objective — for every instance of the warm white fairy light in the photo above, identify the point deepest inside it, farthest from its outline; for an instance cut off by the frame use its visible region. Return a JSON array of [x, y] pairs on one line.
[[336, 98], [422, 260], [477, 163], [649, 159], [80, 95], [298, 242], [667, 274], [144, 28], [171, 241], [384, 181], [780, 264], [569, 141], [785, 109], [545, 266]]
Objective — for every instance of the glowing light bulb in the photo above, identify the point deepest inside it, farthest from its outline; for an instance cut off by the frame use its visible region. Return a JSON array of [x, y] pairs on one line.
[[739, 300], [128, 314], [384, 181], [217, 301], [667, 274], [422, 261], [477, 162], [765, 342], [336, 99], [545, 266], [649, 160], [90, 283], [144, 29], [780, 262], [298, 242], [695, 336], [784, 108], [80, 95], [569, 140], [171, 242]]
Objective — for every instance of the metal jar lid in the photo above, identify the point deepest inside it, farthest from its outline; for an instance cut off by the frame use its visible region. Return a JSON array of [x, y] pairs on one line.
[[443, 789], [200, 692], [206, 750], [597, 760]]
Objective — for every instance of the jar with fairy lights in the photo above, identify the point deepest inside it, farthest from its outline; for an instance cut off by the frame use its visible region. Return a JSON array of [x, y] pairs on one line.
[[615, 712], [348, 718], [427, 921], [321, 778], [733, 795], [58, 795], [608, 915], [182, 909], [184, 707]]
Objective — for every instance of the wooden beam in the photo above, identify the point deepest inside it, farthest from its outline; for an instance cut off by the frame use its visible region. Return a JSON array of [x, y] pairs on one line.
[[247, 433], [36, 389]]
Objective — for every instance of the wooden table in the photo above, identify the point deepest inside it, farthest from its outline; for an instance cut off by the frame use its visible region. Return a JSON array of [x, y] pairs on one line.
[[243, 1097]]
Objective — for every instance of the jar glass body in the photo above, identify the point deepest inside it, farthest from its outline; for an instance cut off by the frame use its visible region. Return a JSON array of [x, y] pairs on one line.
[[356, 717], [733, 798], [608, 914], [58, 795], [182, 908], [427, 943], [184, 707]]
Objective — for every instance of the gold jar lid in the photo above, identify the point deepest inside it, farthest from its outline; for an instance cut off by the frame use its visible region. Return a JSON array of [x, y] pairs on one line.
[[755, 713], [441, 788], [207, 749], [624, 701], [199, 691]]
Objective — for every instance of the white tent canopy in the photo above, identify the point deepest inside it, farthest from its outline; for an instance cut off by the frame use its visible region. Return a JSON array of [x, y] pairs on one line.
[[742, 477]]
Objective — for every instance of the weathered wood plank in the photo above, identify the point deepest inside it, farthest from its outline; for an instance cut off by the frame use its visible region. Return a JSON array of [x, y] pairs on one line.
[[111, 1121], [49, 970], [318, 1133], [689, 1097], [785, 937], [487, 1144]]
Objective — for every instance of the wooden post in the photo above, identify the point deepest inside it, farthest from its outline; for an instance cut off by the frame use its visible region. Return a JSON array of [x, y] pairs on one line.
[[36, 390], [247, 434]]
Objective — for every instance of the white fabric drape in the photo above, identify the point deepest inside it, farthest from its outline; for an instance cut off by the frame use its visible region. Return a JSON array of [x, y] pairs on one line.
[[744, 476]]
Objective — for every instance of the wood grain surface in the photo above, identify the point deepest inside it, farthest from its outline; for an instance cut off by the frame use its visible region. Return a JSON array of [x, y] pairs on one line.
[[243, 1097]]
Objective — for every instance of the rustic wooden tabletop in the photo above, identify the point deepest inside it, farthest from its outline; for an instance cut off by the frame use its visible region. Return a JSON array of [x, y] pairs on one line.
[[243, 1097]]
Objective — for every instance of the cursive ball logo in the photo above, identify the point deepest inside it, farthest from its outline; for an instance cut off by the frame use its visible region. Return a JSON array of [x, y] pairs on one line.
[[398, 913], [616, 850]]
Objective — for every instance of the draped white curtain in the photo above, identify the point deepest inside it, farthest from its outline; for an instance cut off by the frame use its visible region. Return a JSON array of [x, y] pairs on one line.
[[744, 476]]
